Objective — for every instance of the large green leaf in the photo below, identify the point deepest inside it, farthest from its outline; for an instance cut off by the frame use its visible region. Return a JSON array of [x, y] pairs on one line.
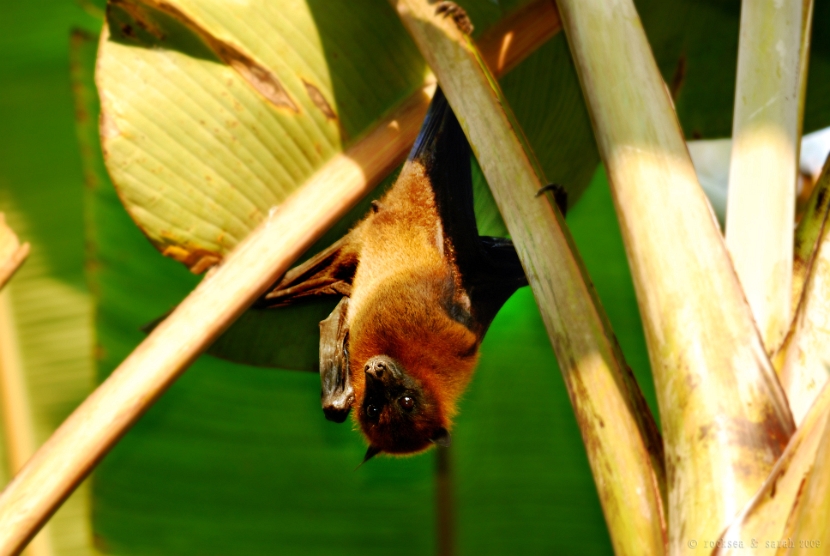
[[200, 154], [207, 126], [239, 460], [229, 436], [251, 91]]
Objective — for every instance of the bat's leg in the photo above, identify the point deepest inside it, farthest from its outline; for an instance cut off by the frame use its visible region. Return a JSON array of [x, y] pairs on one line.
[[337, 394], [457, 13]]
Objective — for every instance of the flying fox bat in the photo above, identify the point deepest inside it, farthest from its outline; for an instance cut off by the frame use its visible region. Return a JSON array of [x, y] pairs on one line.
[[419, 289]]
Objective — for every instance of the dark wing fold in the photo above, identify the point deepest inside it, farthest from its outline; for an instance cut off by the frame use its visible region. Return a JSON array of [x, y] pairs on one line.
[[329, 272], [489, 267], [499, 274]]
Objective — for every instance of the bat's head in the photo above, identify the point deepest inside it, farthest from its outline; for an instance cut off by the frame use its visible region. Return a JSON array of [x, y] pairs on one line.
[[410, 360], [398, 413]]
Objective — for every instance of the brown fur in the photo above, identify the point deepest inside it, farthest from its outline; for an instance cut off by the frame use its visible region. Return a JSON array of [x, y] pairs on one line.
[[419, 288], [402, 284]]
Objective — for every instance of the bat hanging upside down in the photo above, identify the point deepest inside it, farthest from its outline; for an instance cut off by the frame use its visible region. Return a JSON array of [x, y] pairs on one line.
[[419, 289]]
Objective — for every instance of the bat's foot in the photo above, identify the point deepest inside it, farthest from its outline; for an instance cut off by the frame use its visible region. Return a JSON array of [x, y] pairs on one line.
[[560, 195], [457, 13]]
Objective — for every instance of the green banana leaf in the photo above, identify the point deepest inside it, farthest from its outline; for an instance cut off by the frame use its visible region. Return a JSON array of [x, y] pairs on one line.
[[238, 460], [222, 463], [251, 119]]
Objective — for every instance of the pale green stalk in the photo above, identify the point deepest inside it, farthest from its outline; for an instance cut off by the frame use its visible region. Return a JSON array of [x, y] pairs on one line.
[[725, 418], [808, 528], [766, 132], [806, 351], [765, 517], [808, 233], [12, 253], [624, 449], [18, 429]]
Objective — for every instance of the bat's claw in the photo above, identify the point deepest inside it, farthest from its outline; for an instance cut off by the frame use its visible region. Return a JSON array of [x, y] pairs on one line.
[[457, 13], [560, 195]]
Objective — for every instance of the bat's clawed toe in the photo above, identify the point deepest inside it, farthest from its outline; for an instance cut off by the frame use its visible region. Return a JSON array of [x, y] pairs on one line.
[[457, 13], [560, 196]]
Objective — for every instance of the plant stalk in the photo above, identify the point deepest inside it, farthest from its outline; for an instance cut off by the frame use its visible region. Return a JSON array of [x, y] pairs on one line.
[[808, 526], [765, 516], [12, 253], [19, 430], [725, 418], [808, 234], [623, 445], [806, 350], [766, 133]]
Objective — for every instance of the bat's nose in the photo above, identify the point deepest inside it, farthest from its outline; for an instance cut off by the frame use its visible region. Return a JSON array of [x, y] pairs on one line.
[[381, 368], [375, 369]]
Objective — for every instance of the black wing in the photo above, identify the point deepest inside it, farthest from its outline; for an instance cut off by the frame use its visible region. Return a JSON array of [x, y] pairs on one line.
[[489, 267]]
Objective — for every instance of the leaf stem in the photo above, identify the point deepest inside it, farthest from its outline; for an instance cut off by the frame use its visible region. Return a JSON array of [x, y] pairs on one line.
[[623, 445], [725, 417], [766, 133]]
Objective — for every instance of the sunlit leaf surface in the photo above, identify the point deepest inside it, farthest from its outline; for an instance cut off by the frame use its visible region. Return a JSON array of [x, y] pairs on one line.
[[239, 460]]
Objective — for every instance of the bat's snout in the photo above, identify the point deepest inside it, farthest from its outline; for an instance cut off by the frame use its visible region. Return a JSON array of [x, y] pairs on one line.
[[381, 368]]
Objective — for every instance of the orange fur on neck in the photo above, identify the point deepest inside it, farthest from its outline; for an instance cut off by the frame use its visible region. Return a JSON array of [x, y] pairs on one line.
[[397, 307]]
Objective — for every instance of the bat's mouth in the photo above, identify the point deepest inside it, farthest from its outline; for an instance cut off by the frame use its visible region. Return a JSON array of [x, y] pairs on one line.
[[384, 378], [397, 415]]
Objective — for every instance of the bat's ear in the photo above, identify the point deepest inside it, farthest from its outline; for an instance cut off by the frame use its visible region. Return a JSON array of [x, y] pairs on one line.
[[370, 453], [441, 437]]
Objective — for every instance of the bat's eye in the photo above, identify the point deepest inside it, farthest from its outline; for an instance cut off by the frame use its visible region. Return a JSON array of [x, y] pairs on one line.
[[372, 411], [407, 403]]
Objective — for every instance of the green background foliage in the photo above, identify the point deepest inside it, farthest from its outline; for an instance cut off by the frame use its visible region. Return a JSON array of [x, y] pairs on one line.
[[236, 459]]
